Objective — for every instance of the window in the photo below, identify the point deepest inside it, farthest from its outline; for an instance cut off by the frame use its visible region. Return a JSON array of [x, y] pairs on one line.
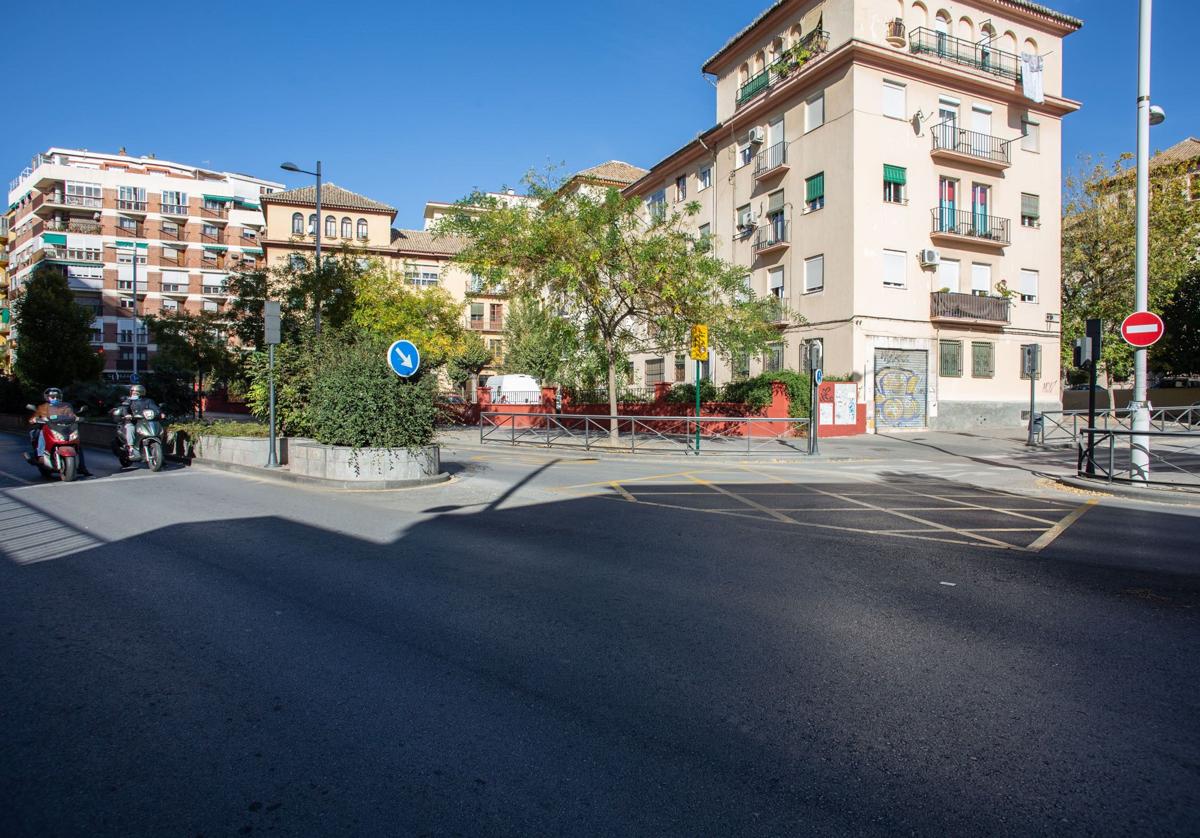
[[1028, 292], [312, 225], [210, 305], [496, 315], [741, 367], [950, 358], [296, 261], [127, 302], [209, 256], [1030, 210], [773, 357], [211, 231], [131, 197], [704, 238], [775, 218], [247, 233], [126, 223], [422, 277], [330, 226], [983, 361], [745, 153], [347, 228], [814, 192], [496, 347], [362, 228], [297, 224], [981, 279], [894, 180], [745, 224], [174, 202], [814, 273], [1031, 135], [84, 194], [654, 371], [895, 267], [893, 100], [680, 367], [704, 178], [1037, 370], [948, 272], [657, 204], [476, 315], [681, 188], [775, 284], [125, 257], [814, 112], [170, 305]]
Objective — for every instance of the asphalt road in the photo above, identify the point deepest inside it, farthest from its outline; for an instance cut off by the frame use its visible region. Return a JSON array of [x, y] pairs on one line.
[[527, 651]]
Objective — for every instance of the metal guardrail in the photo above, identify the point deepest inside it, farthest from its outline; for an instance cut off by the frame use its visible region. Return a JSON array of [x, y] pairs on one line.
[[647, 434], [1175, 454], [1063, 427]]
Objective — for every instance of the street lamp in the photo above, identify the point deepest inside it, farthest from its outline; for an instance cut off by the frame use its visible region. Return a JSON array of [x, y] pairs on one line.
[[292, 167]]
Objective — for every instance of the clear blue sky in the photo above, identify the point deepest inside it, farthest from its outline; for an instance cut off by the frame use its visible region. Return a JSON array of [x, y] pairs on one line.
[[409, 102]]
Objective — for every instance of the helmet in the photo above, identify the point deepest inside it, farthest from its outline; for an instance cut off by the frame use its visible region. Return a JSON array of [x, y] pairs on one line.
[[52, 394], [137, 391]]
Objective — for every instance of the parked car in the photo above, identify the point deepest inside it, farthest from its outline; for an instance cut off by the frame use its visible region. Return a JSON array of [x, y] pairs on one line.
[[515, 389], [1179, 381]]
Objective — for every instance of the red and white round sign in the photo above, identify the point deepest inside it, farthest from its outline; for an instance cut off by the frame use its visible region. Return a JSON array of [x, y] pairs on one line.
[[1142, 328]]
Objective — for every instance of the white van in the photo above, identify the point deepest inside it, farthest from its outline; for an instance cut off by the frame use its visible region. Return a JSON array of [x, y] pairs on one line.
[[515, 389]]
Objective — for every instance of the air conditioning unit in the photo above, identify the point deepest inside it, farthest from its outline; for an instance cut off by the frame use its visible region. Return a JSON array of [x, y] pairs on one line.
[[749, 223], [929, 257], [758, 136]]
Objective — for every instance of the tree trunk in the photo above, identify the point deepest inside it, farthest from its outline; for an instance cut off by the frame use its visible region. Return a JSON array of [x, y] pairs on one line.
[[200, 393], [613, 428]]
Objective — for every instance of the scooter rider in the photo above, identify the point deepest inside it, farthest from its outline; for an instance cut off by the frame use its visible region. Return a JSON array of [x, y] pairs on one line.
[[53, 401], [129, 409]]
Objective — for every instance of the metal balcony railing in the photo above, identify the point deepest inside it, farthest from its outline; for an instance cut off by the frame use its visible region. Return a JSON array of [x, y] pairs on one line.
[[949, 137], [951, 305], [976, 225], [214, 290], [131, 206], [178, 234], [771, 159], [137, 231], [980, 56], [174, 288], [774, 234], [791, 61], [214, 212], [174, 209]]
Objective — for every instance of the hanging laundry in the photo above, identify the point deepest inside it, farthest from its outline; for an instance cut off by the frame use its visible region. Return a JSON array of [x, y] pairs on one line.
[[1031, 76]]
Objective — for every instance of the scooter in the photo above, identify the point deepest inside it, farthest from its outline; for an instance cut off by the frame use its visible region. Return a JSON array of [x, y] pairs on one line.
[[149, 435], [60, 433]]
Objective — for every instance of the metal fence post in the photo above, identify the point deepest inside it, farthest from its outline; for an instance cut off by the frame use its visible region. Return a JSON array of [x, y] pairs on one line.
[[1112, 438]]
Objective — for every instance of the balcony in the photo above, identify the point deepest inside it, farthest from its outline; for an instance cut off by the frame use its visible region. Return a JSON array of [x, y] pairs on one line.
[[895, 33], [771, 162], [62, 254], [75, 226], [174, 209], [790, 62], [968, 308], [772, 237], [968, 53], [175, 288], [775, 311], [178, 260], [219, 212], [966, 226], [56, 200], [137, 231], [214, 290], [131, 206], [213, 237], [179, 234], [954, 144]]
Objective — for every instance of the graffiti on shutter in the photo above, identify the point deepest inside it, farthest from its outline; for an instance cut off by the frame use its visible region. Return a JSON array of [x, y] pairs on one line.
[[901, 386]]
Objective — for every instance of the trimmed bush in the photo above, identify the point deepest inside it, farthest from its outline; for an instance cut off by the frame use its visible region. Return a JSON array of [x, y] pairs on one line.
[[756, 392], [222, 428], [686, 393]]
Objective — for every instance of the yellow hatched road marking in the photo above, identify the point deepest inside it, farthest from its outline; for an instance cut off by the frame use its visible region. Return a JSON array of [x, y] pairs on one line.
[[1043, 541], [776, 514], [624, 492]]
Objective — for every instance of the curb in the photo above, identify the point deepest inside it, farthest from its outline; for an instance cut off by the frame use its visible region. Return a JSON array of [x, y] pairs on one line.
[[594, 454], [1156, 494], [284, 476]]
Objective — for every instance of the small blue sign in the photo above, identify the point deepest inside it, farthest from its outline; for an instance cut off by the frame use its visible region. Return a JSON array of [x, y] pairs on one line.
[[135, 378], [403, 358], [820, 376]]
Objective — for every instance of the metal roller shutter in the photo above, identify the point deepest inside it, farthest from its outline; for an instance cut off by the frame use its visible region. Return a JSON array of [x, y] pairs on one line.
[[901, 387]]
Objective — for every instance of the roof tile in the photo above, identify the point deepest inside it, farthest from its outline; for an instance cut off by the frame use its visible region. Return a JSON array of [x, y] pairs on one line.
[[332, 196]]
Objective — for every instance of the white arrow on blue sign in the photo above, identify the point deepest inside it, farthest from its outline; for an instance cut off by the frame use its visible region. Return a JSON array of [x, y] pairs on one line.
[[403, 358]]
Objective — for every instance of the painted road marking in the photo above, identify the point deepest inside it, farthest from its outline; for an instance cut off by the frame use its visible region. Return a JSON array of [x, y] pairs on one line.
[[1044, 540], [624, 492], [778, 516]]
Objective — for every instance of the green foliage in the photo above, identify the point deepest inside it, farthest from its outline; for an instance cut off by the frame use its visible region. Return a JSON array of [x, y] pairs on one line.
[[222, 428], [359, 402], [1098, 246], [300, 289], [537, 342], [756, 392], [686, 393], [1179, 350], [296, 363], [53, 334], [14, 395], [387, 305], [192, 347], [468, 359]]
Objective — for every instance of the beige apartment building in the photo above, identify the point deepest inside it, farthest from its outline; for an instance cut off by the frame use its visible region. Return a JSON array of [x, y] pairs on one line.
[[364, 227], [889, 170], [108, 221], [6, 356]]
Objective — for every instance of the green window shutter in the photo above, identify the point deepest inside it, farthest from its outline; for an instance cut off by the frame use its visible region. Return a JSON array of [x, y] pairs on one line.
[[221, 199], [950, 354], [775, 202], [814, 187], [982, 363], [217, 247], [894, 174], [4, 315], [54, 238], [1030, 205], [251, 250], [142, 245]]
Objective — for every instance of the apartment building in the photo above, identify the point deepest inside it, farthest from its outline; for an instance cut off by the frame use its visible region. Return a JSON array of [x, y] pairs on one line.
[[363, 226], [5, 314], [889, 171], [110, 221]]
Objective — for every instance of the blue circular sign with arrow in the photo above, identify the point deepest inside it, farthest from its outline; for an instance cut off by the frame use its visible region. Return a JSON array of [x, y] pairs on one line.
[[403, 358]]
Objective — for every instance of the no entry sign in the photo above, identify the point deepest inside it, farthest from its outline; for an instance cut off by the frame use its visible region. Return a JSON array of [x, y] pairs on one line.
[[1142, 328]]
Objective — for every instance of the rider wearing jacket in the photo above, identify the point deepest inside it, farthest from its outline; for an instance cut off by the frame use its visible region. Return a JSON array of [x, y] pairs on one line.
[[41, 414], [129, 409]]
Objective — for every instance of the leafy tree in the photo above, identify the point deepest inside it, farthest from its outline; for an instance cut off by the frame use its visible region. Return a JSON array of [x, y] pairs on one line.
[[1098, 249], [53, 334], [1179, 351], [192, 347], [628, 281], [468, 360], [300, 289], [537, 342], [385, 304]]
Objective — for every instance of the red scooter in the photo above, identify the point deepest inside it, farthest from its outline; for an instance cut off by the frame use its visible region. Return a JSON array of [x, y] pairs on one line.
[[60, 433]]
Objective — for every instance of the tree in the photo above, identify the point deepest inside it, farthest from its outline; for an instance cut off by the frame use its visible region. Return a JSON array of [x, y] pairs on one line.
[[1179, 351], [1098, 251], [53, 334], [468, 360], [385, 304], [626, 280], [538, 343], [192, 346]]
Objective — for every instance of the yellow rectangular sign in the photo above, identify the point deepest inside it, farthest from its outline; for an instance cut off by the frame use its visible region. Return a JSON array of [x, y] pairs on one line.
[[699, 343]]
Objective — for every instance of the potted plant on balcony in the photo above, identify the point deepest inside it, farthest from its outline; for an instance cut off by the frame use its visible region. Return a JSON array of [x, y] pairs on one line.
[[1002, 290]]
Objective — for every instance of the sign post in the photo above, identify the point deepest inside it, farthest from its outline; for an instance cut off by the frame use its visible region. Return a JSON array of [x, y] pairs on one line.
[[699, 353], [1031, 365], [816, 372], [1087, 355], [1140, 330], [271, 318]]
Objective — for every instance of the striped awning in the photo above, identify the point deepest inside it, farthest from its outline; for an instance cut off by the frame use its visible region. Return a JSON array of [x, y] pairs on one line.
[[894, 174], [142, 245]]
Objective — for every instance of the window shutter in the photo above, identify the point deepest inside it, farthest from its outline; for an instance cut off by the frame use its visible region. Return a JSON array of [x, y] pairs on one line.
[[1029, 205], [775, 278], [775, 202], [1029, 283], [951, 358], [815, 187], [894, 174]]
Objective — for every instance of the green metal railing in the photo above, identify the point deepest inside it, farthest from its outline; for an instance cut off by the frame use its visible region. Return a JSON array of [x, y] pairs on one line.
[[981, 56], [791, 61]]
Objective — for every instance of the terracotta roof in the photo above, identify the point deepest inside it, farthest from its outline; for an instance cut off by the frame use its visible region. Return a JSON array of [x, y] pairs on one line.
[[614, 171], [1184, 151], [1036, 8], [332, 196], [423, 241]]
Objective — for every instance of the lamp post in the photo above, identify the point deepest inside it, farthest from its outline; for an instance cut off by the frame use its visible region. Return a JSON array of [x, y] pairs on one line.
[[292, 167]]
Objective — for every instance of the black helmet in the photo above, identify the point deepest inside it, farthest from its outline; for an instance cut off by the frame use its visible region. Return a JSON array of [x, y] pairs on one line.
[[137, 391], [52, 394]]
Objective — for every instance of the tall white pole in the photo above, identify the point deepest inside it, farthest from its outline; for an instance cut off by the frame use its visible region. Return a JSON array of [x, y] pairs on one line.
[[1140, 445]]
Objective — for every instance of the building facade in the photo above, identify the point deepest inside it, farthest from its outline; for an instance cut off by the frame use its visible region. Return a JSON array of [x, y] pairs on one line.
[[889, 171], [6, 356], [110, 222]]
